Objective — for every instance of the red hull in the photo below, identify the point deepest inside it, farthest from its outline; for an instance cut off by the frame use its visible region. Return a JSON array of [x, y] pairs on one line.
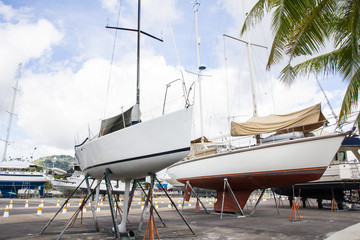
[[244, 184]]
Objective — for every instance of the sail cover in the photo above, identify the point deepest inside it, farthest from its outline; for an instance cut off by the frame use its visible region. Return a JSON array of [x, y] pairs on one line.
[[120, 121], [304, 120]]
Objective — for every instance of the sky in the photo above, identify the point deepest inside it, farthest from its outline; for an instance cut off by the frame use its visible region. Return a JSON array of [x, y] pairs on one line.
[[76, 72]]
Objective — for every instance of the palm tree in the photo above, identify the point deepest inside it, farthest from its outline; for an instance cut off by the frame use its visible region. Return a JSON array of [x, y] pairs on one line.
[[304, 28]]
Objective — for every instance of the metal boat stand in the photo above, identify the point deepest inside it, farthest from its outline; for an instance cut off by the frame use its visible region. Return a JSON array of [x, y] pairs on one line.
[[197, 197], [152, 205], [334, 204], [145, 206], [259, 199], [111, 202], [151, 225], [294, 208], [227, 185], [79, 209], [172, 202], [114, 211], [153, 178]]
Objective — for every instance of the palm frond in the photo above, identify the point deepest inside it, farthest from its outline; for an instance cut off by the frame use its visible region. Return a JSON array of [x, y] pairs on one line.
[[323, 64], [351, 96], [311, 30], [303, 27], [280, 24], [284, 20], [256, 14], [288, 74]]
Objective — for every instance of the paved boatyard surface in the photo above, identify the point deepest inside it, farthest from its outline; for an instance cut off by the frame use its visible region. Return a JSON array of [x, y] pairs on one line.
[[24, 223]]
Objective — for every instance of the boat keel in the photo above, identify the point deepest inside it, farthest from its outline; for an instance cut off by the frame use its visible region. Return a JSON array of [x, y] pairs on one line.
[[122, 225], [229, 203]]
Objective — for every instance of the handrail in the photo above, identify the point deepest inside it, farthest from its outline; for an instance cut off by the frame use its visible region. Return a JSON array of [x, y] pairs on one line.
[[79, 145], [184, 92]]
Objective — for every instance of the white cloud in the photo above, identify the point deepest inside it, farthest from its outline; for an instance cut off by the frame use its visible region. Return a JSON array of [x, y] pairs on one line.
[[10, 14], [20, 43], [111, 5]]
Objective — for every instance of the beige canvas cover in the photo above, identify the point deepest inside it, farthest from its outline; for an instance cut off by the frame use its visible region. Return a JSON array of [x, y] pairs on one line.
[[304, 120]]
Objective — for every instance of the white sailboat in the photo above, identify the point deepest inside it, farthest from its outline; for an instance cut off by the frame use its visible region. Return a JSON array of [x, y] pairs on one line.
[[129, 148], [292, 154], [279, 160]]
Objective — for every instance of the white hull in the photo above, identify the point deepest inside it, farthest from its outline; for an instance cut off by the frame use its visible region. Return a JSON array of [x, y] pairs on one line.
[[341, 172], [11, 176], [301, 155], [138, 150]]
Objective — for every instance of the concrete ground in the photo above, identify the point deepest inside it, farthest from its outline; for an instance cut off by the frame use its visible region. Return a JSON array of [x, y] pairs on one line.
[[266, 223]]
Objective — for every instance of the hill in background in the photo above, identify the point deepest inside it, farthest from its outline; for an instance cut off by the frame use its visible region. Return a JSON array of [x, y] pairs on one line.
[[59, 161]]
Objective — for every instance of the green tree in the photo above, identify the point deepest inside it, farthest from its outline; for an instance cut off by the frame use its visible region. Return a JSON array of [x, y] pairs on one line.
[[304, 28]]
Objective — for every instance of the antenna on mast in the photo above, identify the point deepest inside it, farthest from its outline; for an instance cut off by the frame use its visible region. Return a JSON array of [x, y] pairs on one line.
[[200, 69]]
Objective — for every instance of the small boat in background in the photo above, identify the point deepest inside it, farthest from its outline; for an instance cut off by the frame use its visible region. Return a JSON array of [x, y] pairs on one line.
[[340, 181], [73, 178], [16, 175]]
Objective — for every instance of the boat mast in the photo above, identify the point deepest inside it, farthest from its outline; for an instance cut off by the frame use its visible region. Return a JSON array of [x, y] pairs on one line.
[[251, 68], [252, 75], [12, 111], [138, 59], [200, 68], [139, 32]]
